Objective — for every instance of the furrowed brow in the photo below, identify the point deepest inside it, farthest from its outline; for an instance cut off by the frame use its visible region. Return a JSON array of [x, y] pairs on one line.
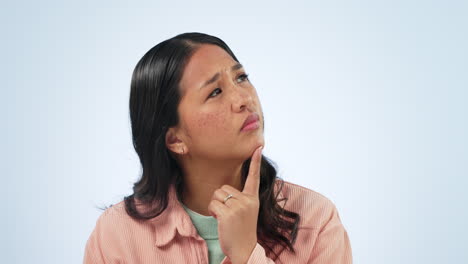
[[216, 76]]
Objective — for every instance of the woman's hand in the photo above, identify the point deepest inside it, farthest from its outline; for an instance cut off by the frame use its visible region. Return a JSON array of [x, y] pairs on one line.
[[237, 218]]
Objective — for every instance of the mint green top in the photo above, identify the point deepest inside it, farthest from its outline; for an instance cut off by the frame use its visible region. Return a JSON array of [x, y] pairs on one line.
[[207, 227]]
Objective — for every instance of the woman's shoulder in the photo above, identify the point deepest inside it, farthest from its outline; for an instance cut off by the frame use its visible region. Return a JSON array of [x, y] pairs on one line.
[[115, 225], [113, 215], [114, 212], [314, 208], [115, 219]]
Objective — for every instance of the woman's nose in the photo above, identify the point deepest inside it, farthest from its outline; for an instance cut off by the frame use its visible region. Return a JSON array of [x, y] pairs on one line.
[[241, 98]]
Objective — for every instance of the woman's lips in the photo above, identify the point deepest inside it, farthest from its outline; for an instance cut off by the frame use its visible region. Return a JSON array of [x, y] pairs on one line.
[[251, 122], [251, 126]]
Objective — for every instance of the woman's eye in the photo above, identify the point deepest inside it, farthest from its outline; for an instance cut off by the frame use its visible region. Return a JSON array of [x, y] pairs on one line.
[[214, 92], [243, 77]]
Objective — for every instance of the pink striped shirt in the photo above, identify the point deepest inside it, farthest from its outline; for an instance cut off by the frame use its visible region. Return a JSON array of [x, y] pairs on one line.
[[172, 238]]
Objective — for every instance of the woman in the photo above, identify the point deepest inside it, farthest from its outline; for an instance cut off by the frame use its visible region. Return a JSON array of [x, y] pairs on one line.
[[206, 193]]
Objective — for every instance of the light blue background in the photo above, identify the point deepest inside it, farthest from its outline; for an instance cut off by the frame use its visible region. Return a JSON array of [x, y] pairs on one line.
[[364, 101]]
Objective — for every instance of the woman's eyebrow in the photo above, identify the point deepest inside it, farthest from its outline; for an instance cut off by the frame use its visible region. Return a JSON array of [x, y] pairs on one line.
[[216, 76]]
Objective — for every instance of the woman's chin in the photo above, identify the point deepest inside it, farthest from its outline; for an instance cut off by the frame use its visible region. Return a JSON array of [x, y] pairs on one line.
[[253, 147]]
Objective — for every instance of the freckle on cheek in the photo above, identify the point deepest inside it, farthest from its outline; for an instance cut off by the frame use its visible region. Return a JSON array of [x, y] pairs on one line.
[[214, 120]]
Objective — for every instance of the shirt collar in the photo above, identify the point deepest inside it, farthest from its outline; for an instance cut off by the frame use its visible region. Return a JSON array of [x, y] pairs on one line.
[[174, 219]]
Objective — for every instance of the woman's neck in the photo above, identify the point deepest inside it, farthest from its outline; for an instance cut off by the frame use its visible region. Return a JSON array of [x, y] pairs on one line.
[[200, 180]]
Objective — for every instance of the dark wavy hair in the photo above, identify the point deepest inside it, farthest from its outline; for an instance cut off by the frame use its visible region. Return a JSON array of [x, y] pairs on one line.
[[154, 98]]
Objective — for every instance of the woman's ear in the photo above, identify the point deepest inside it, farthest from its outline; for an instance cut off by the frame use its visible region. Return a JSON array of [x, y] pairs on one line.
[[173, 143]]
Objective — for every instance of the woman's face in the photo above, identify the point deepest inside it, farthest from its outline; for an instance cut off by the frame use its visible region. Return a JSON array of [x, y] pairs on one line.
[[212, 112]]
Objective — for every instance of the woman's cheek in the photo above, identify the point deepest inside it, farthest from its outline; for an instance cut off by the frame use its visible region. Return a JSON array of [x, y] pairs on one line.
[[212, 123]]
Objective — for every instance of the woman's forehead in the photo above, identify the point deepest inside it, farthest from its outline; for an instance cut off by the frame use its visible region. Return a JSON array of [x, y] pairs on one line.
[[206, 61]]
